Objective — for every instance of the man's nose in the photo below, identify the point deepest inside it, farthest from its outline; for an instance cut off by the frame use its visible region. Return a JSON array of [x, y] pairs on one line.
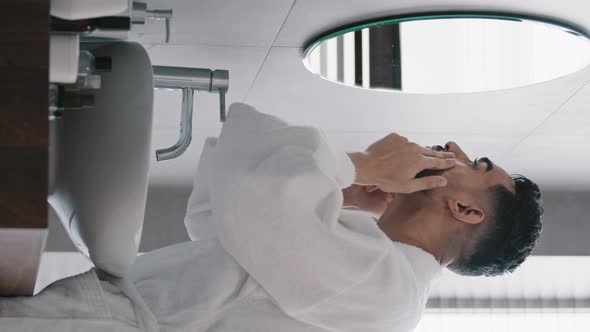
[[447, 147], [450, 146], [454, 147]]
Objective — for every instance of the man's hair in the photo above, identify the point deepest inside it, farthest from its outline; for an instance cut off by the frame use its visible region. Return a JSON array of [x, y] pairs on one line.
[[509, 234]]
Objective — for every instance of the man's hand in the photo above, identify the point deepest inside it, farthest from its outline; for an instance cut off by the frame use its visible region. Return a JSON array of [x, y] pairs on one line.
[[392, 163], [367, 198]]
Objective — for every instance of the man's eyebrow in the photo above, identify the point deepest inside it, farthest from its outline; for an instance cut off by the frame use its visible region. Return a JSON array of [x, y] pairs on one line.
[[489, 163]]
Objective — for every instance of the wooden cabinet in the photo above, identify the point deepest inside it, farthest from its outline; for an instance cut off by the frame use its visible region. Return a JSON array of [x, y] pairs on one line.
[[24, 58]]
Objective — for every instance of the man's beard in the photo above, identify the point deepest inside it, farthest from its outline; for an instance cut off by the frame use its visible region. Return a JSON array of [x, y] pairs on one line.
[[429, 172]]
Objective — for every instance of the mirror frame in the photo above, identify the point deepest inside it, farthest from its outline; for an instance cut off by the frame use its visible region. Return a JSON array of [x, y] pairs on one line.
[[312, 43]]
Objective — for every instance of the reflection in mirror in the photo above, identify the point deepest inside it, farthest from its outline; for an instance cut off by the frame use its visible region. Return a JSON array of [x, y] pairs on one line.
[[448, 54]]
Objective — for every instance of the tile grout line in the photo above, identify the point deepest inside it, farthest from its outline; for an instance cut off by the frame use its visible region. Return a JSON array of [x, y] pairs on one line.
[[550, 115], [268, 52]]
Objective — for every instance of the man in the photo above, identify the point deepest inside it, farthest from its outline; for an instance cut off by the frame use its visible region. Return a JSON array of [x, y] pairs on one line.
[[492, 220], [273, 251]]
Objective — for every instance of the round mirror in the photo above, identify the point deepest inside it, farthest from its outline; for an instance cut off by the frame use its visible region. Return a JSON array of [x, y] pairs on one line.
[[444, 53]]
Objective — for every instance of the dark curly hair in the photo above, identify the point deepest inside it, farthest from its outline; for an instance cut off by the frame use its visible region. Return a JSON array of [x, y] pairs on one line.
[[509, 238]]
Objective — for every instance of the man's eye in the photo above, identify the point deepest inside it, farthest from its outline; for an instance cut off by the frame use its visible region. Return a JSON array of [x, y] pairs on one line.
[[475, 162]]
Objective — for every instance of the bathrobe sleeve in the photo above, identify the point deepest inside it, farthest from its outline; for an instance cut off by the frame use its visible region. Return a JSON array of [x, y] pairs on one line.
[[275, 198]]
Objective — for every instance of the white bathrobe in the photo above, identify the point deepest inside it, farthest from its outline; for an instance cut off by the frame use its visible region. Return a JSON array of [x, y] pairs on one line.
[[272, 250]]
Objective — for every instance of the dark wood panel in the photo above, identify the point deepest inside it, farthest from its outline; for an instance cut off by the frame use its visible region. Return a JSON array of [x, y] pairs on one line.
[[20, 253], [22, 129], [24, 64], [23, 193], [24, 61], [24, 19]]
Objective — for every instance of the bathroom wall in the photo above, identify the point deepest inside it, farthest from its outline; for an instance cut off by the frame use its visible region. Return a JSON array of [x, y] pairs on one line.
[[566, 222]]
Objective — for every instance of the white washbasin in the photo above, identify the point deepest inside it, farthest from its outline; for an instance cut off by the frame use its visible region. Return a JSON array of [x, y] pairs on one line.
[[101, 159]]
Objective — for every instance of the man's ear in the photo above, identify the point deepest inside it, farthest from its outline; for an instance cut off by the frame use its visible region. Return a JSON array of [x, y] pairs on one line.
[[468, 213]]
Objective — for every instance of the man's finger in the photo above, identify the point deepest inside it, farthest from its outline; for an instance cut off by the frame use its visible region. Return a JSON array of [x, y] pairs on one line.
[[436, 163], [437, 154], [370, 189], [425, 183]]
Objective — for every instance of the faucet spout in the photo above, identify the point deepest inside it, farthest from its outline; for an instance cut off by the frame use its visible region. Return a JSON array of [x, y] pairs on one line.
[[186, 124], [189, 80]]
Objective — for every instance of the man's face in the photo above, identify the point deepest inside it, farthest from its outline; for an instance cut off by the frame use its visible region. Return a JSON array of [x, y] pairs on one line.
[[466, 176], [471, 174]]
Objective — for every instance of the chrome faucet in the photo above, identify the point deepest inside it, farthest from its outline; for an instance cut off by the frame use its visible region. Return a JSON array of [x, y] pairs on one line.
[[140, 14], [189, 80]]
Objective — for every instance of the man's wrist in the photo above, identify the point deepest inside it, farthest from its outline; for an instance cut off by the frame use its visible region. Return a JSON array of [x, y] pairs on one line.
[[360, 160], [349, 197]]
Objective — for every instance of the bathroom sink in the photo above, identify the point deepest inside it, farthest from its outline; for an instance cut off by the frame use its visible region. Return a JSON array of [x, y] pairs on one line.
[[100, 157]]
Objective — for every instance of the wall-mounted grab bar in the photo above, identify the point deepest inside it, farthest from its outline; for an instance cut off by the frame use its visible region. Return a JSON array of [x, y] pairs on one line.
[[189, 80]]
